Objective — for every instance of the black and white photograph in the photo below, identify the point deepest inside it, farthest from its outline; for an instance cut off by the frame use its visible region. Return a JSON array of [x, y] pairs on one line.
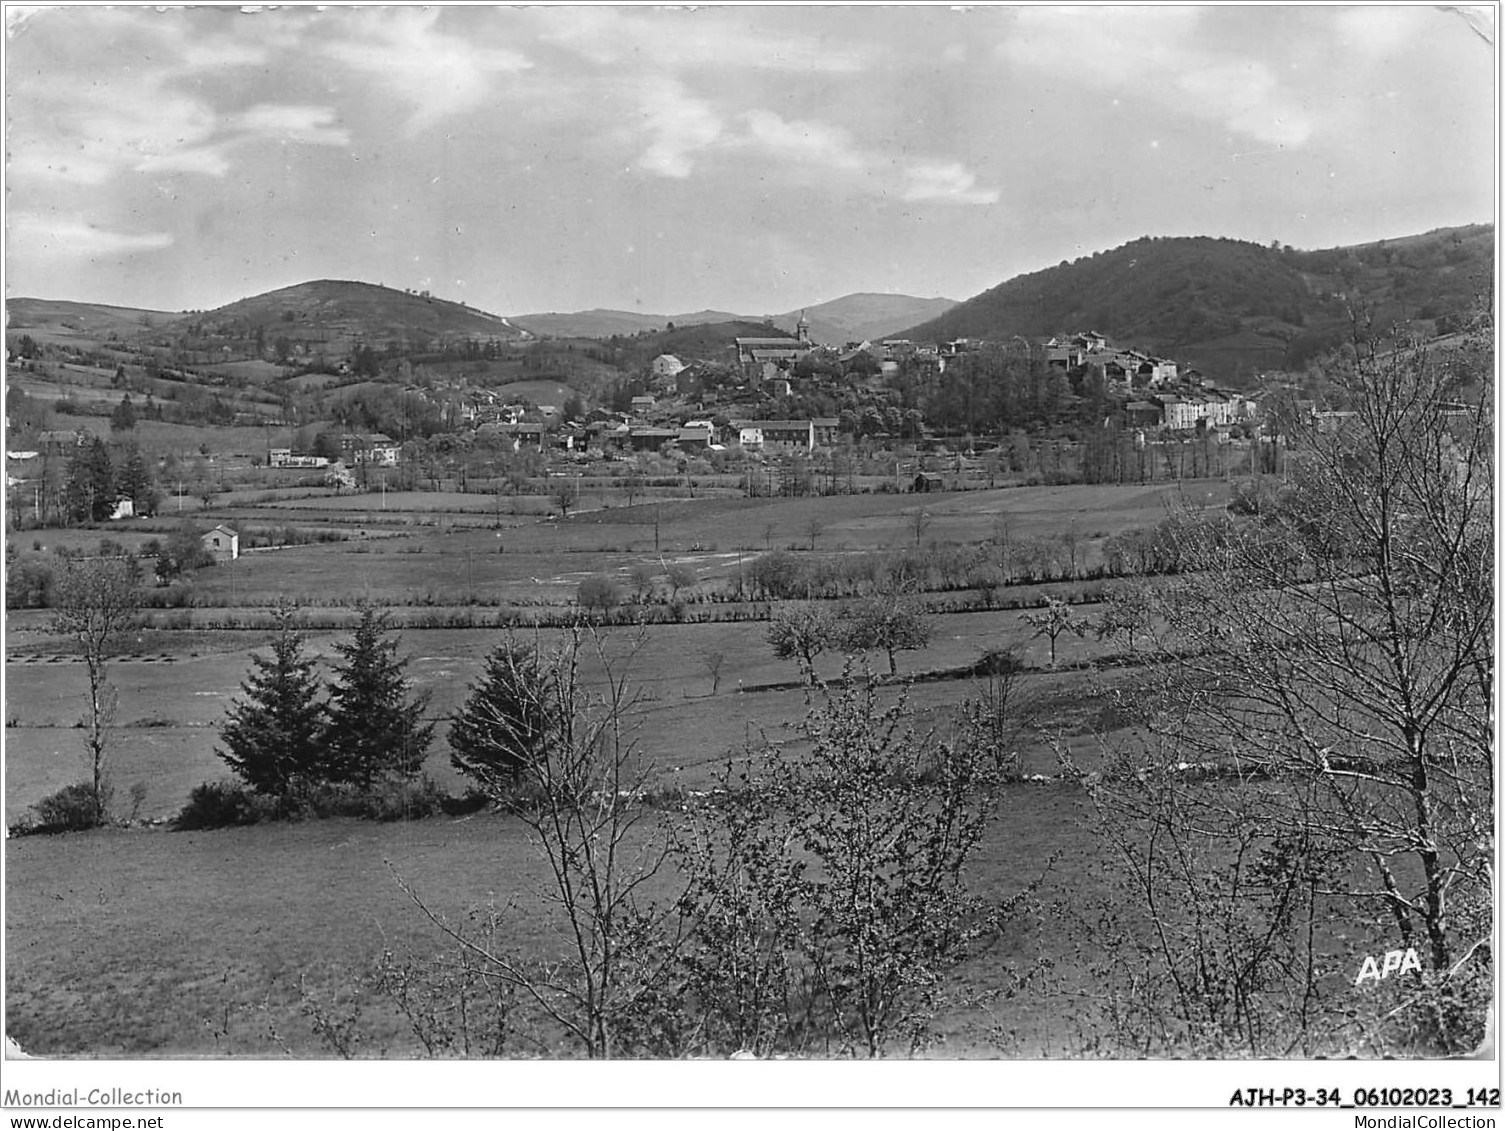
[[960, 536]]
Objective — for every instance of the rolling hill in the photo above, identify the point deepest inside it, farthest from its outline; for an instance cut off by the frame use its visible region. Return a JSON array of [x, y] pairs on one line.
[[1230, 307], [51, 319], [334, 314]]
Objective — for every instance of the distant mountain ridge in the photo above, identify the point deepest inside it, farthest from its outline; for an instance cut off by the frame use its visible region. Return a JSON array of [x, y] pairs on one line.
[[1228, 306], [855, 317]]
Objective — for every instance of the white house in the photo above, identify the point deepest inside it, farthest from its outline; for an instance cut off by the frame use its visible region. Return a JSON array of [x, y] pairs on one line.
[[776, 435], [666, 365], [222, 543]]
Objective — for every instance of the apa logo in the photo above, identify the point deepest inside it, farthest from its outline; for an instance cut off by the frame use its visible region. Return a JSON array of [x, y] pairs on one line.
[[1396, 962]]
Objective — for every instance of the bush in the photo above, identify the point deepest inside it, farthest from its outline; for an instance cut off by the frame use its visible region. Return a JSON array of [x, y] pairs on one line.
[[398, 800], [221, 804], [71, 809], [471, 801], [599, 592]]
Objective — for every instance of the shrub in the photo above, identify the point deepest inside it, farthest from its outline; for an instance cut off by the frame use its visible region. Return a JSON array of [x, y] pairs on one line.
[[398, 800], [471, 801], [599, 592], [217, 805], [71, 809], [221, 804]]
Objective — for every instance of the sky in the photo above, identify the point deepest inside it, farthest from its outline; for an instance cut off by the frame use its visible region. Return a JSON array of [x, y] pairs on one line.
[[746, 158]]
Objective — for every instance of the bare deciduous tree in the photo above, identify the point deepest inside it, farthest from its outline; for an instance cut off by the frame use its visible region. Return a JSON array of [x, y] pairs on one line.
[[579, 793], [801, 633], [1332, 654], [94, 601], [1057, 619]]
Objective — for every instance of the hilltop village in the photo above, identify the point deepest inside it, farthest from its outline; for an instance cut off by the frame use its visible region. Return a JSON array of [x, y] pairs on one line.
[[788, 395]]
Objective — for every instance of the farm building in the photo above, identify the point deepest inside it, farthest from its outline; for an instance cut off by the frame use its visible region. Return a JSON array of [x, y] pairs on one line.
[[929, 481], [776, 435], [222, 543], [651, 439]]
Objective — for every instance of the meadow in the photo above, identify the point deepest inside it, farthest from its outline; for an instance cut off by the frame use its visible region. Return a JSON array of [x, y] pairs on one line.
[[159, 967], [208, 943]]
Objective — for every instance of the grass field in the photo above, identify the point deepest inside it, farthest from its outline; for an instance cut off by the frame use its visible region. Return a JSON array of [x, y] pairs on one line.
[[158, 967], [169, 710], [537, 392]]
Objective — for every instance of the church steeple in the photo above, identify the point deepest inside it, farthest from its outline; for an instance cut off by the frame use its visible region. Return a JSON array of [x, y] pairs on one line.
[[802, 328]]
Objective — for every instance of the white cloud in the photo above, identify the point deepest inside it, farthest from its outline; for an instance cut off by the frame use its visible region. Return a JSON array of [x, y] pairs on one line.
[[87, 135], [129, 98], [947, 181], [830, 155], [437, 73], [678, 125], [312, 125], [1155, 53], [708, 38], [805, 141], [75, 237], [1246, 98]]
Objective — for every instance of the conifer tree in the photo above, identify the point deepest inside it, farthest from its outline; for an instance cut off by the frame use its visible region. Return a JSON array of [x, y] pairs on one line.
[[134, 481], [507, 720], [274, 735], [89, 492], [123, 419], [374, 728]]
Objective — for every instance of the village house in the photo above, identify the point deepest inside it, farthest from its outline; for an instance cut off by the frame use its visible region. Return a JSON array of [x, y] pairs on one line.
[[694, 439], [827, 428], [519, 437], [651, 439], [57, 442], [375, 449], [222, 543], [284, 457], [1075, 350], [927, 481], [603, 434], [775, 435], [666, 366], [1180, 415]]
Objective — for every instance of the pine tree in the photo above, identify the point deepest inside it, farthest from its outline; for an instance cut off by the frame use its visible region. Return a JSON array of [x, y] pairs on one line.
[[89, 492], [274, 736], [374, 728], [123, 419], [507, 721], [135, 481]]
